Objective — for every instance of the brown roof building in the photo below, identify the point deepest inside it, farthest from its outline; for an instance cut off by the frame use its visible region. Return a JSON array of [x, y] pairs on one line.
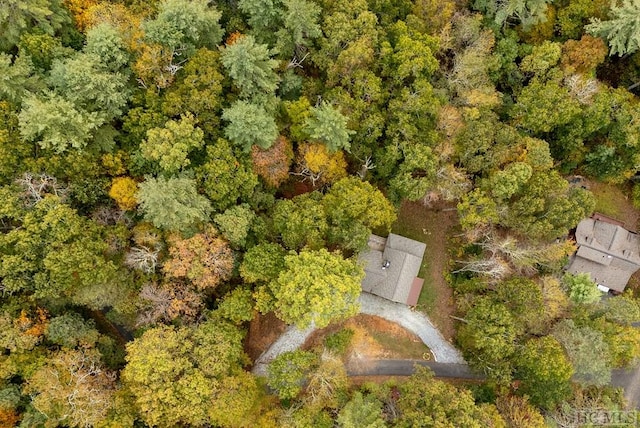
[[607, 251], [391, 268]]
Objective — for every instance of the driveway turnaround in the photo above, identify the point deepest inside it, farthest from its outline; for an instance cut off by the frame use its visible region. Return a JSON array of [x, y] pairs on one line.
[[415, 322]]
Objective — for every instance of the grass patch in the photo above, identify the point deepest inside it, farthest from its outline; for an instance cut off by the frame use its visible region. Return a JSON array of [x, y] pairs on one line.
[[610, 200], [339, 341], [401, 345]]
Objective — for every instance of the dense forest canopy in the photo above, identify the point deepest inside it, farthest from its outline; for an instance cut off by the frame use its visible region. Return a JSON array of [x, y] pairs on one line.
[[171, 168]]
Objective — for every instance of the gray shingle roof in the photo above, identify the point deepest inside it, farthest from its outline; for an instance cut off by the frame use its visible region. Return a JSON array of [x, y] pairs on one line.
[[608, 252], [395, 282]]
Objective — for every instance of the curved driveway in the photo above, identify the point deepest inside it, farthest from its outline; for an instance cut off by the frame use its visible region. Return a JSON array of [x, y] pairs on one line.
[[416, 322]]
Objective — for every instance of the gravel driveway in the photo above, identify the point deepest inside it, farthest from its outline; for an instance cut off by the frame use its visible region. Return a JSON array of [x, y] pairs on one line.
[[415, 322]]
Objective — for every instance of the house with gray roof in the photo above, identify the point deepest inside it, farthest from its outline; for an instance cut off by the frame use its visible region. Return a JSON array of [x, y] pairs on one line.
[[391, 268], [608, 252]]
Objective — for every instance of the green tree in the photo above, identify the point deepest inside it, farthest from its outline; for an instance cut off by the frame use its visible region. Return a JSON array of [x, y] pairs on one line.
[[105, 42], [408, 55], [547, 207], [184, 24], [300, 22], [572, 17], [54, 253], [544, 106], [350, 33], [588, 352], [262, 263], [85, 81], [71, 331], [226, 176], [623, 309], [526, 12], [19, 16], [172, 203], [249, 124], [198, 90], [412, 112], [317, 287], [55, 123], [235, 224], [427, 402], [301, 221], [541, 59], [354, 205], [545, 372], [581, 288], [525, 301], [508, 181], [477, 210], [264, 15], [237, 305], [622, 31], [250, 66], [328, 125], [173, 373], [43, 49], [488, 338], [361, 412], [170, 145], [416, 174], [18, 77], [287, 372], [236, 404]]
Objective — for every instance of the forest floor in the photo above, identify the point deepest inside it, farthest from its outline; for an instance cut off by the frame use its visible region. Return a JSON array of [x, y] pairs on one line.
[[433, 226], [264, 330]]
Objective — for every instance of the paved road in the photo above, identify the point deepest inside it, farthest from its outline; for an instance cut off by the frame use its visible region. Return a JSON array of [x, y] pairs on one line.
[[629, 380], [407, 367]]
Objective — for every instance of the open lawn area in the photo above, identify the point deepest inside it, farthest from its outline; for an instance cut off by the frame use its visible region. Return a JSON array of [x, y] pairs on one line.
[[614, 201], [432, 226]]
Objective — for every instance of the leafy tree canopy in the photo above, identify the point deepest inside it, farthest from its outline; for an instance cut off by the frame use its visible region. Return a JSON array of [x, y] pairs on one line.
[[317, 287], [172, 203]]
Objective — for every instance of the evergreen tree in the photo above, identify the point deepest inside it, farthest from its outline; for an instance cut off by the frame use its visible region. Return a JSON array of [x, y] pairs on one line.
[[250, 66], [172, 203], [622, 32], [327, 125], [250, 124]]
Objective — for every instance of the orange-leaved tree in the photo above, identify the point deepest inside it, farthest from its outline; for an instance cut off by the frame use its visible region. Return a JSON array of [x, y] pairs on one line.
[[205, 259], [273, 163]]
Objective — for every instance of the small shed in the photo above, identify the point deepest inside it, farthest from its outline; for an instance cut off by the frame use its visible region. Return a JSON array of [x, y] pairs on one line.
[[391, 268], [608, 252]]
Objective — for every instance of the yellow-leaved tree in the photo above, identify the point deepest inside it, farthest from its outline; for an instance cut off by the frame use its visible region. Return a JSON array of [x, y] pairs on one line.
[[123, 191], [317, 165]]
